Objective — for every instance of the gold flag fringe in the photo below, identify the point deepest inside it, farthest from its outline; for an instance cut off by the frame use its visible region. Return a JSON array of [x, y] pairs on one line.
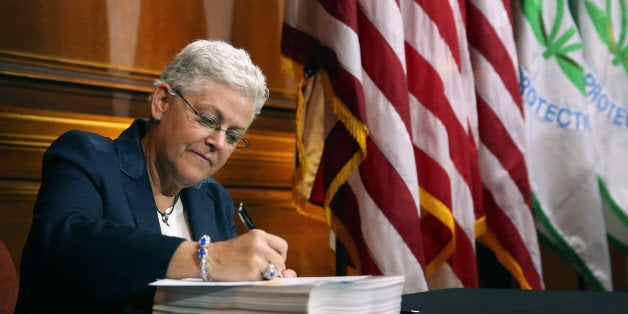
[[358, 131]]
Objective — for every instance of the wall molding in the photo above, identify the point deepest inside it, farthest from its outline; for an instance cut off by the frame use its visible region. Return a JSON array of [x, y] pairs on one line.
[[26, 133], [17, 129], [64, 70], [101, 75]]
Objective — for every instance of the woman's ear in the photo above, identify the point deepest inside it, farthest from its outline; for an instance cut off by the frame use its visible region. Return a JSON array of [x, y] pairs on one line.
[[160, 101]]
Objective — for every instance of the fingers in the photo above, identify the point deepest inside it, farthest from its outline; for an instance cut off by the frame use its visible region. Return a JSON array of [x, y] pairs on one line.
[[278, 244], [274, 251], [247, 257], [288, 273]]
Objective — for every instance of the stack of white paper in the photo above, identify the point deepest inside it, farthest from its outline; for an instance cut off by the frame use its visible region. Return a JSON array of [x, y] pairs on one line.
[[341, 294]]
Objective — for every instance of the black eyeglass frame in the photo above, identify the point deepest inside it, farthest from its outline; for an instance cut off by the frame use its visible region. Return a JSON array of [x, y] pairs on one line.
[[216, 125]]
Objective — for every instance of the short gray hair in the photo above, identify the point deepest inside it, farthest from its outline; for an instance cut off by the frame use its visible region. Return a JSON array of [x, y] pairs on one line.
[[216, 61]]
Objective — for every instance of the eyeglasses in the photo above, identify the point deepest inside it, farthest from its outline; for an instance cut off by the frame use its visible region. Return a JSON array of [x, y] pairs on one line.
[[211, 123]]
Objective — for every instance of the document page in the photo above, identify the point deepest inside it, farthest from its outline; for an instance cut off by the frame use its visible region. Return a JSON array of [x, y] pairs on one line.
[[188, 282]]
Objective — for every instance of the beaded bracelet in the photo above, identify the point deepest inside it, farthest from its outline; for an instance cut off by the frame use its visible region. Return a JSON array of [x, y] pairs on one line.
[[203, 242]]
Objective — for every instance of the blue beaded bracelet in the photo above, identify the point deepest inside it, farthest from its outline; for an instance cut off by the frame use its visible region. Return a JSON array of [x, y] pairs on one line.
[[203, 243]]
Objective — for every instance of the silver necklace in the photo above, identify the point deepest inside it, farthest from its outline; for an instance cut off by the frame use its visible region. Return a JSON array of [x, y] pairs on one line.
[[164, 216]]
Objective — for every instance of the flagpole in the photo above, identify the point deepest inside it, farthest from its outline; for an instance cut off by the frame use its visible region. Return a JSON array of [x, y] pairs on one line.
[[341, 261]]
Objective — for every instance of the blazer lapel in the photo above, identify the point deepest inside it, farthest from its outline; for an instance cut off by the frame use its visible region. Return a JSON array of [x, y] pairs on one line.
[[142, 204], [200, 213], [137, 185]]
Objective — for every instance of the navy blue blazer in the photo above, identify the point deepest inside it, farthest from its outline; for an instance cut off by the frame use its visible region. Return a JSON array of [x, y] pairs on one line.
[[95, 241]]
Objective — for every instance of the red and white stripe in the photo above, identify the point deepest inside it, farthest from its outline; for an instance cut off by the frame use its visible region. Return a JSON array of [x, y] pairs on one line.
[[386, 185], [444, 120], [380, 205], [511, 232], [412, 197]]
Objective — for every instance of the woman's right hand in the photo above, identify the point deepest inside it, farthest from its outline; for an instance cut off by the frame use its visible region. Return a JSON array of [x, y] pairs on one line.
[[247, 256], [243, 258]]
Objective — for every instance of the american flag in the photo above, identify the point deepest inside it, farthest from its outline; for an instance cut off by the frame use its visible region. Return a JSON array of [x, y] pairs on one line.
[[509, 228], [389, 150]]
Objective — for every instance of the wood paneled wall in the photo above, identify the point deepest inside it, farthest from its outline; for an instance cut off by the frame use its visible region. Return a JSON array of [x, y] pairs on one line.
[[90, 65]]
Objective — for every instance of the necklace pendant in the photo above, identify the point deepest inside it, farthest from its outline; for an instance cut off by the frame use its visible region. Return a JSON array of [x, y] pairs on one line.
[[164, 216]]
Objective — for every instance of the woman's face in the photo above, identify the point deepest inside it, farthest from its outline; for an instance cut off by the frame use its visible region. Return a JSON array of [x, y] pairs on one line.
[[187, 150]]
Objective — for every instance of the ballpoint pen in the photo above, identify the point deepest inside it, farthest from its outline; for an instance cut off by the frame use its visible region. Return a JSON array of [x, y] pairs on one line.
[[246, 219]]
